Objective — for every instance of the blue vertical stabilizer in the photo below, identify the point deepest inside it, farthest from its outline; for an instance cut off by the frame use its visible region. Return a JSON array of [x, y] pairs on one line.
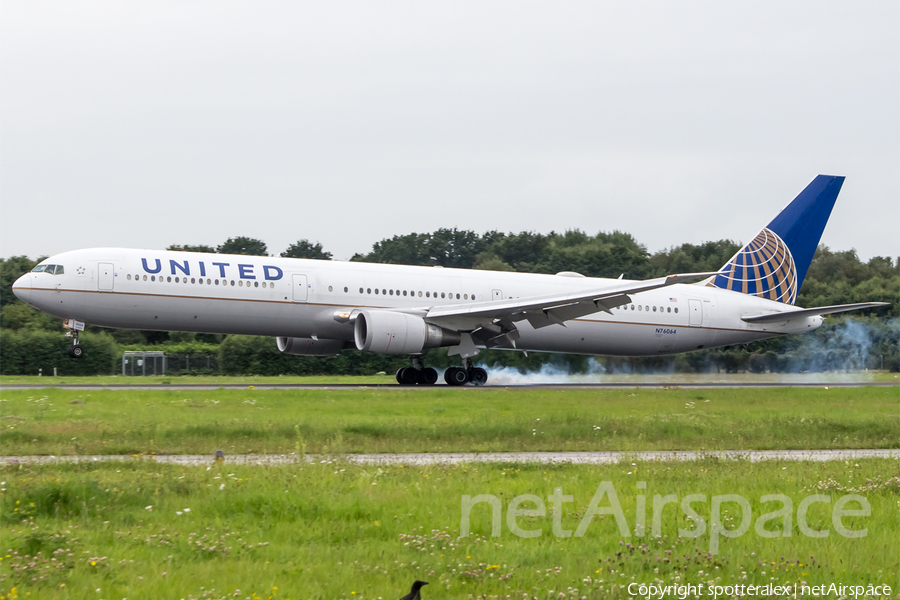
[[774, 264]]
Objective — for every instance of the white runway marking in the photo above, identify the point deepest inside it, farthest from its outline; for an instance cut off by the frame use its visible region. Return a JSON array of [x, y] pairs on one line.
[[455, 458]]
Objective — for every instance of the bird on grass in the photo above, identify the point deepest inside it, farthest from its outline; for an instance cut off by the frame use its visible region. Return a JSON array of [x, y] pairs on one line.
[[414, 593], [220, 456]]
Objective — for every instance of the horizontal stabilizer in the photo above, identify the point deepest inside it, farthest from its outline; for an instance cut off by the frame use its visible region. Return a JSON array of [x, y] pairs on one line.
[[808, 312]]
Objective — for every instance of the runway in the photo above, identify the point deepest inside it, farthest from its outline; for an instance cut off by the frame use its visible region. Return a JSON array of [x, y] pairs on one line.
[[456, 458], [425, 388]]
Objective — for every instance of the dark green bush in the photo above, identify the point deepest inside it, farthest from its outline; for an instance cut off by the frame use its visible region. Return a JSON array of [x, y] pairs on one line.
[[28, 352]]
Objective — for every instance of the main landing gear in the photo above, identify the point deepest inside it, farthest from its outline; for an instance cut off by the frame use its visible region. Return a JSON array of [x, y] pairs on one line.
[[416, 374]]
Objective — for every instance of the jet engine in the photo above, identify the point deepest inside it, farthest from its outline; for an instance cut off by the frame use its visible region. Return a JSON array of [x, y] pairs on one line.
[[388, 332], [308, 346]]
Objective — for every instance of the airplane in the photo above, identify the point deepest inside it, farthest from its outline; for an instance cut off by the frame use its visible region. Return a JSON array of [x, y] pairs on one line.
[[320, 307]]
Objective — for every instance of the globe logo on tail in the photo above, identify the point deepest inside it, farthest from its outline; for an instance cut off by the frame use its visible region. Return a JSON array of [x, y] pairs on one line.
[[763, 268]]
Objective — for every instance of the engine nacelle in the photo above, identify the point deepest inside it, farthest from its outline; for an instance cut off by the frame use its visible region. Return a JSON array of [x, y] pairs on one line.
[[309, 346], [388, 332]]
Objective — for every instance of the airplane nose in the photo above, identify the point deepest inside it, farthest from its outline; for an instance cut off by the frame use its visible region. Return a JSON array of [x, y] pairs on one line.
[[21, 287]]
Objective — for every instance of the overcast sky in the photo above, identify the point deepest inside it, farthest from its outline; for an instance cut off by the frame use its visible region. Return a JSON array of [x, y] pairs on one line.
[[144, 124]]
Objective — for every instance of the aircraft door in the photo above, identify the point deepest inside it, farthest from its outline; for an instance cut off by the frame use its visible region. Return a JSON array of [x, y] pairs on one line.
[[498, 295], [696, 312], [106, 274], [301, 289]]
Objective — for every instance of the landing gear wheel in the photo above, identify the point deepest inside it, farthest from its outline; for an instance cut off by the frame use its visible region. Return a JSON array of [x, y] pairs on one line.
[[456, 376], [478, 376], [407, 376], [427, 376], [76, 351]]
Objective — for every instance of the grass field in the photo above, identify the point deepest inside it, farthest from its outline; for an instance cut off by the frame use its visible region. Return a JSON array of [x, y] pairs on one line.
[[66, 422], [332, 530]]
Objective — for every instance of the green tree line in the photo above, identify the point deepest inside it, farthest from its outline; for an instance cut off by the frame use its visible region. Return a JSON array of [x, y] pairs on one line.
[[864, 340]]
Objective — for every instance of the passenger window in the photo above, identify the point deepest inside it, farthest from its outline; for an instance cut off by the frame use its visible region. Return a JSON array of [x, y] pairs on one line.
[[193, 280], [383, 291], [639, 307], [256, 285], [217, 282], [669, 309], [404, 292], [392, 292], [345, 288], [232, 283], [169, 279], [129, 277], [176, 280], [330, 289], [368, 290], [376, 291], [420, 294], [465, 296], [676, 309], [654, 309], [145, 278], [153, 278], [427, 294], [442, 294]]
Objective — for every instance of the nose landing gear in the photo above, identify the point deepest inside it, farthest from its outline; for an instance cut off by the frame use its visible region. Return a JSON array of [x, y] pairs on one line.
[[76, 350]]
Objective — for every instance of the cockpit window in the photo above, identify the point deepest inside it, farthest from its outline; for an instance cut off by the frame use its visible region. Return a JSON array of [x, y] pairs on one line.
[[52, 269]]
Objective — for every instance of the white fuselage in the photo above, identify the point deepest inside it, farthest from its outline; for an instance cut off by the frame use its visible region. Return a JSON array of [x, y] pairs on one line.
[[234, 294]]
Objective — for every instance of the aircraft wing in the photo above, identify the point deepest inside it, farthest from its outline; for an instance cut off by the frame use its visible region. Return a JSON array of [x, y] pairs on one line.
[[802, 313], [542, 311]]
